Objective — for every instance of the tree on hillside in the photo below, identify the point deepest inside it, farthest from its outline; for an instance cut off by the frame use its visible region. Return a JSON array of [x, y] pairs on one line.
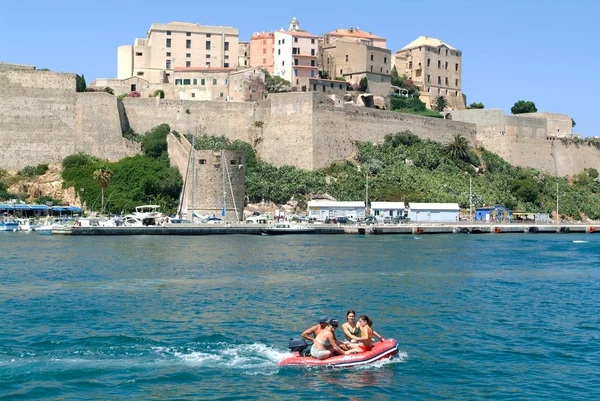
[[274, 83], [458, 148], [323, 74], [440, 103], [573, 123], [476, 105], [364, 84], [523, 106], [103, 176], [81, 85]]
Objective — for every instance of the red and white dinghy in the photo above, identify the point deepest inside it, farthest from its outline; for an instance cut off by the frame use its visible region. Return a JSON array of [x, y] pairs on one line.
[[380, 350]]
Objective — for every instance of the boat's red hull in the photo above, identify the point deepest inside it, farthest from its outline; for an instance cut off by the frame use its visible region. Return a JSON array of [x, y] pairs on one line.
[[380, 350]]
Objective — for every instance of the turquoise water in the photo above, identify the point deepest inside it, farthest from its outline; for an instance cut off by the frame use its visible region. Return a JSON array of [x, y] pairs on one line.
[[137, 318]]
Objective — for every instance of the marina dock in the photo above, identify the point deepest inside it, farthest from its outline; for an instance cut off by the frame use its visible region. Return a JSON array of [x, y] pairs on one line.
[[407, 229]]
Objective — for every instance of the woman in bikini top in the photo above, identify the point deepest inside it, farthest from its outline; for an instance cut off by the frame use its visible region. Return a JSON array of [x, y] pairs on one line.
[[350, 328]]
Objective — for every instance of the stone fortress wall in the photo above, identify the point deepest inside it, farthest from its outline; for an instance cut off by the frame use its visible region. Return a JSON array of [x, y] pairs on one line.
[[43, 119]]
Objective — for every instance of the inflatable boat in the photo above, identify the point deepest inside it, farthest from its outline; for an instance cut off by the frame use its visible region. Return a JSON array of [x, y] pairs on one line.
[[380, 350]]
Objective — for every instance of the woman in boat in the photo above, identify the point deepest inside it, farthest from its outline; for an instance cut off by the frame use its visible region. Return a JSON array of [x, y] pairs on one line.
[[350, 328], [365, 341], [325, 344]]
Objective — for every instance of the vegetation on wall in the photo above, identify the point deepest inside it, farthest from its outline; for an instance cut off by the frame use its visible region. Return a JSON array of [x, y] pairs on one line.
[[440, 103], [275, 84], [476, 105], [135, 181], [523, 106], [80, 83], [402, 81], [412, 106], [32, 171]]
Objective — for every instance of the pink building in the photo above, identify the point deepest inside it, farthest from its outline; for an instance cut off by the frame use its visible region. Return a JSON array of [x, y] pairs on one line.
[[262, 47]]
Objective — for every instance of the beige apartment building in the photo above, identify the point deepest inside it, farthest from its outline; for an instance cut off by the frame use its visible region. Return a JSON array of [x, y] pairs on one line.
[[354, 59], [262, 48], [435, 67], [247, 85], [178, 45], [244, 56], [296, 53]]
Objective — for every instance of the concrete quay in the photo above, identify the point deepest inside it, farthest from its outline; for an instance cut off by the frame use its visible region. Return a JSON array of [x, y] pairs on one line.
[[410, 229]]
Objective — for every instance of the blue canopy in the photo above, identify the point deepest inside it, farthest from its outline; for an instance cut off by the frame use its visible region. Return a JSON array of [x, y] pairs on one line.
[[74, 209], [4, 206], [39, 207], [22, 207]]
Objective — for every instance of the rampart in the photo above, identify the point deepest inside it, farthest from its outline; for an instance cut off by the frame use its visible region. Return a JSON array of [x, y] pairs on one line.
[[43, 119]]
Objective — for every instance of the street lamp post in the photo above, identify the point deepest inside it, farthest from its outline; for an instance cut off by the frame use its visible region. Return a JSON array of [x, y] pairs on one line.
[[470, 199]]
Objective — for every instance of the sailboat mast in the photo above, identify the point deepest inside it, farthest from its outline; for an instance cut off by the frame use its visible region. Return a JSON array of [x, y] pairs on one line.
[[193, 172]]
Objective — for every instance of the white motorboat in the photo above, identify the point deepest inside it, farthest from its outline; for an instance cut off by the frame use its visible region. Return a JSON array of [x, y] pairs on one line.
[[288, 228]]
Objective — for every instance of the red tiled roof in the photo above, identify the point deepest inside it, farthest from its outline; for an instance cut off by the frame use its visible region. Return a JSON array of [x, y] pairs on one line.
[[207, 69], [298, 33], [262, 35], [354, 33]]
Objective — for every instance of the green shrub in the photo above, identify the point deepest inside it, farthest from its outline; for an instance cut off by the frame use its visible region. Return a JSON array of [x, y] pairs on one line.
[[32, 171], [122, 96], [159, 92], [154, 142], [108, 89], [77, 160]]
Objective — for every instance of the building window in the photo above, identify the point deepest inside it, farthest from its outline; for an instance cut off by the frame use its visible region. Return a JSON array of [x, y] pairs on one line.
[[456, 82], [168, 42], [186, 82], [279, 42], [193, 94], [188, 55], [295, 40], [371, 57], [264, 61], [283, 41], [428, 78], [446, 52], [314, 87], [312, 52], [202, 81], [221, 94], [446, 92], [188, 44], [195, 81], [188, 64], [226, 81], [385, 60], [138, 54], [312, 41], [341, 72], [446, 67], [446, 81], [371, 68], [140, 74], [456, 93], [214, 81], [226, 65], [312, 73], [439, 63], [312, 63], [168, 33], [208, 64], [346, 59], [295, 72], [188, 34], [168, 64], [226, 46], [439, 80], [168, 54], [208, 35], [410, 65], [283, 63], [208, 56], [428, 62], [264, 51], [295, 61], [279, 52], [226, 57], [208, 45], [381, 69], [456, 67]]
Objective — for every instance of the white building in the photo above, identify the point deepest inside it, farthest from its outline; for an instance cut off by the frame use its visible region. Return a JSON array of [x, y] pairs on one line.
[[324, 209], [387, 209], [433, 212], [296, 54]]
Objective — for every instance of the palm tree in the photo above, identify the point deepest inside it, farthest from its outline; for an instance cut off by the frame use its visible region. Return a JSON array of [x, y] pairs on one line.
[[440, 103], [458, 148], [103, 176]]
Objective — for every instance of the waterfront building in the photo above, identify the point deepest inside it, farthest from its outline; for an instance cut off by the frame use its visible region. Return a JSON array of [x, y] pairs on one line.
[[262, 48], [295, 54], [492, 213], [178, 45], [435, 67], [387, 209], [433, 212], [325, 209]]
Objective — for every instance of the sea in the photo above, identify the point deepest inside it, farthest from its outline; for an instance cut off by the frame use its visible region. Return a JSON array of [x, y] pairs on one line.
[[492, 316]]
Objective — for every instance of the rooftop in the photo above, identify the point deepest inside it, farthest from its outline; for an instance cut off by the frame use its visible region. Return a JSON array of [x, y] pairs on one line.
[[426, 41], [354, 33]]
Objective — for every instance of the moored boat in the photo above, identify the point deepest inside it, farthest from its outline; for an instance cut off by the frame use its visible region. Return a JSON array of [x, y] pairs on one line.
[[288, 228], [9, 225], [381, 350]]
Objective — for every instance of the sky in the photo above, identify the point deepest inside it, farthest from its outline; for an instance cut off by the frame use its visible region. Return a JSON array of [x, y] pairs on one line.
[[535, 50]]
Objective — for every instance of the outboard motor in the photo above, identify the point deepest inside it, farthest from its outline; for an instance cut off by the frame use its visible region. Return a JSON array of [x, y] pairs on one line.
[[299, 345]]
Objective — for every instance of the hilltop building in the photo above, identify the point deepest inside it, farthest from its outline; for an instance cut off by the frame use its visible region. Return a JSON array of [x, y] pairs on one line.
[[295, 55], [244, 54], [178, 45], [353, 55], [435, 67], [262, 48]]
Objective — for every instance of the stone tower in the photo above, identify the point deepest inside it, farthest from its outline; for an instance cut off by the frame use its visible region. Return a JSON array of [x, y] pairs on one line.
[[217, 179]]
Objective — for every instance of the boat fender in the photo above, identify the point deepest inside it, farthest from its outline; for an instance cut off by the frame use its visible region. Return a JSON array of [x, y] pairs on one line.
[[592, 229], [497, 230]]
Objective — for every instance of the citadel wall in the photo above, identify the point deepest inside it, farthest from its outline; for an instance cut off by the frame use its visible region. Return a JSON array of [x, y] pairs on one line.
[[43, 120]]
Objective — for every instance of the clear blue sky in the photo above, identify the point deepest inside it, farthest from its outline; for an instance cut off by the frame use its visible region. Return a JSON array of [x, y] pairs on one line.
[[544, 51]]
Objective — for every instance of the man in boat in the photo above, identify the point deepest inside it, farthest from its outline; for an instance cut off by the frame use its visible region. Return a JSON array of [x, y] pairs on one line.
[[316, 329]]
